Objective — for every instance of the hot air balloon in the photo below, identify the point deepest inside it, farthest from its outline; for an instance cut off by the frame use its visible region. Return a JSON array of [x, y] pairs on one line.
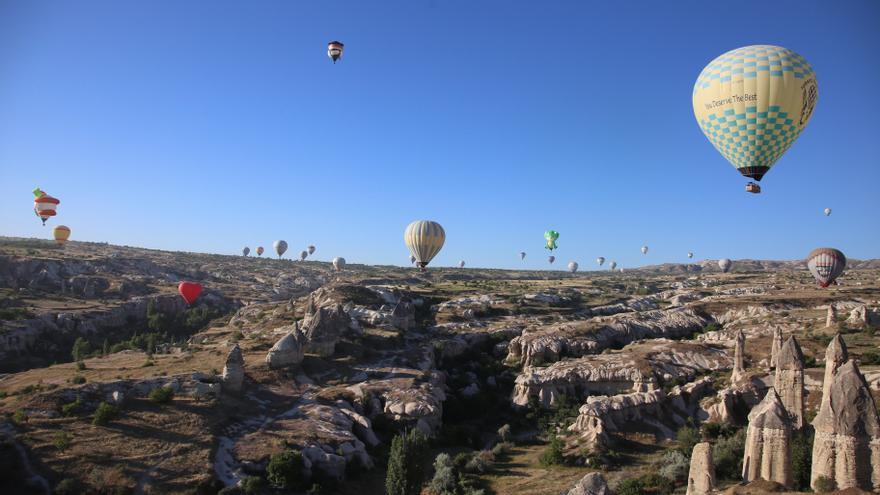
[[522, 255], [245, 251], [828, 212], [61, 234], [613, 265], [461, 264], [311, 249], [600, 260], [424, 239], [725, 265], [826, 264], [280, 247], [260, 250], [550, 236], [620, 270], [551, 259], [573, 266], [334, 50], [44, 205], [690, 254], [644, 249], [338, 263], [303, 255], [752, 103], [189, 291]]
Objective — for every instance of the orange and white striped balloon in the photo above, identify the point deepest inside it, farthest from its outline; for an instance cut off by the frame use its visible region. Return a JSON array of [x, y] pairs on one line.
[[61, 234]]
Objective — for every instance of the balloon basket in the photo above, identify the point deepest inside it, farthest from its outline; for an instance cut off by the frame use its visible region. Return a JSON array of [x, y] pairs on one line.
[[753, 188]]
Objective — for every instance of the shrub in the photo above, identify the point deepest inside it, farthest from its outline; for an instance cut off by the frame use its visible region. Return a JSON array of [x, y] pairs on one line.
[[406, 464], [870, 358], [162, 395], [687, 437], [553, 453], [72, 408], [80, 366], [801, 459], [712, 327], [501, 449], [61, 441], [445, 480], [19, 417], [68, 486], [104, 414], [674, 466], [649, 483], [78, 380], [253, 485], [480, 463], [728, 455], [285, 471], [504, 433], [80, 349], [825, 484]]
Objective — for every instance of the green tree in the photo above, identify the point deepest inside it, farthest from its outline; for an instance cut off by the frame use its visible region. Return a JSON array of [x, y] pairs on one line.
[[151, 344], [104, 414], [61, 441], [80, 349], [802, 459], [395, 480], [156, 320], [687, 437], [445, 478], [553, 453], [105, 349], [285, 471], [406, 464]]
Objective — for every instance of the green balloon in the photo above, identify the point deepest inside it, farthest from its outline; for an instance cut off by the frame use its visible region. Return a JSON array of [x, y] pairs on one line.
[[551, 236]]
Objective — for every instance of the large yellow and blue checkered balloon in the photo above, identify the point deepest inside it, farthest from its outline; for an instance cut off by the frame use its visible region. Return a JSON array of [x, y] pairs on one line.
[[753, 103]]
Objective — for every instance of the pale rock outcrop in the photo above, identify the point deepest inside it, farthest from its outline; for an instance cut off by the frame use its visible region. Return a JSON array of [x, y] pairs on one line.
[[858, 316], [323, 326], [831, 316], [739, 351], [775, 346], [701, 477], [591, 484], [233, 371], [576, 339], [835, 355], [789, 380], [768, 442], [732, 404], [288, 351], [846, 447], [638, 367]]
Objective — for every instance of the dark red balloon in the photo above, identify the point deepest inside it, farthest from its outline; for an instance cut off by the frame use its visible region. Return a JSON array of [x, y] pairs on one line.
[[189, 291]]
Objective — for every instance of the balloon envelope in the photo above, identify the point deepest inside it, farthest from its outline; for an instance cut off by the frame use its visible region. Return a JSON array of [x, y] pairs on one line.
[[725, 265], [828, 212], [461, 264], [338, 263], [45, 206], [311, 250], [690, 254], [551, 259], [826, 264], [613, 265], [573, 267], [245, 251], [260, 250], [550, 236], [303, 255], [61, 233], [189, 291], [522, 255], [424, 238], [600, 260], [644, 249], [280, 247], [753, 102]]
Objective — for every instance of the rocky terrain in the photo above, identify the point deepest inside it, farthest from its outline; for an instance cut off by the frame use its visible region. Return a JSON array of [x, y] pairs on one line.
[[660, 379]]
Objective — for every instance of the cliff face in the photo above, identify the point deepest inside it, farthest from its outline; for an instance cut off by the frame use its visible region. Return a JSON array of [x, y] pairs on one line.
[[789, 380], [846, 448], [768, 442]]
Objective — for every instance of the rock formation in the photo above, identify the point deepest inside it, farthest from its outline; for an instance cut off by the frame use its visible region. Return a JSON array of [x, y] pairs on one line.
[[858, 316], [287, 351], [233, 371], [831, 316], [701, 478], [739, 350], [789, 380], [835, 355], [323, 326], [768, 442], [591, 484], [774, 349], [846, 448]]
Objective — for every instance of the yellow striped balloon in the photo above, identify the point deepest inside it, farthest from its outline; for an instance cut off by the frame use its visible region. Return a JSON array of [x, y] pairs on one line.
[[61, 234], [424, 239], [752, 103]]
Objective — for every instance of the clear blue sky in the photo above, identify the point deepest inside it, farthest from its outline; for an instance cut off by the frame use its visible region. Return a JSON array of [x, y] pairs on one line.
[[211, 125]]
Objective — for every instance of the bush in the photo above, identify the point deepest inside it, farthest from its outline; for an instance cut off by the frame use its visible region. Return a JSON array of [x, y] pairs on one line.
[[285, 471], [801, 459], [104, 414], [649, 483], [253, 485], [19, 417], [445, 480], [553, 453], [728, 455], [501, 449], [674, 466], [80, 366], [825, 484], [68, 486], [80, 349], [72, 408], [480, 463], [687, 437], [504, 433], [61, 441], [162, 395], [870, 358], [78, 380]]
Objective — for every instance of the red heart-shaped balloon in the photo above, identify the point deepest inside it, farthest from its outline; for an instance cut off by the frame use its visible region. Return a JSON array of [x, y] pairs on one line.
[[189, 291]]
